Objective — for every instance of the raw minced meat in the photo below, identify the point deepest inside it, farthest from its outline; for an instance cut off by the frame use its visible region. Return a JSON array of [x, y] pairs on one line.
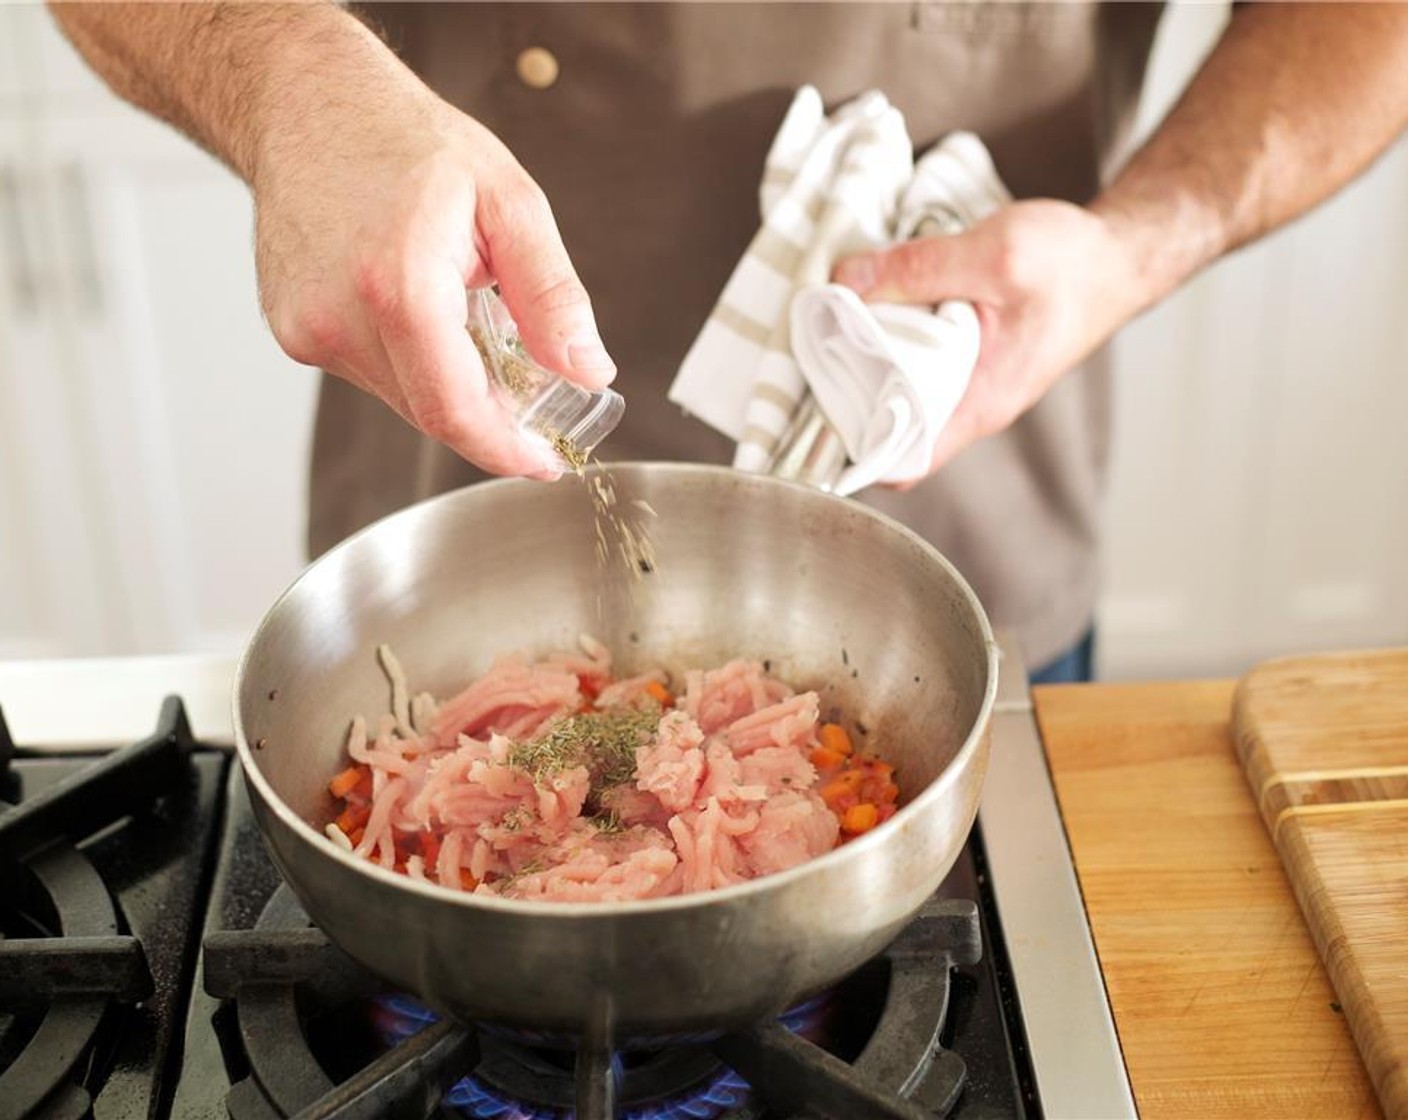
[[549, 779]]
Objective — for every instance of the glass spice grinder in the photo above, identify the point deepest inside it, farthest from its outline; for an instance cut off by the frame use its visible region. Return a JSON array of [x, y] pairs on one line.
[[574, 420]]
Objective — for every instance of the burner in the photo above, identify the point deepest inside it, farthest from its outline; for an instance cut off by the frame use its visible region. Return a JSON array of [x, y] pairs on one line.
[[297, 999], [517, 1075], [81, 1028], [721, 1094]]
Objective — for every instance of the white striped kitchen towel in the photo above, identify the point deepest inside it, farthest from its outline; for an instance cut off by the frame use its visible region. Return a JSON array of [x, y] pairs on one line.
[[831, 187]]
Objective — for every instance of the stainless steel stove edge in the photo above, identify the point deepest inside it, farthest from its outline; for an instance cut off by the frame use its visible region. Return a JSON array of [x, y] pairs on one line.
[[1075, 1051]]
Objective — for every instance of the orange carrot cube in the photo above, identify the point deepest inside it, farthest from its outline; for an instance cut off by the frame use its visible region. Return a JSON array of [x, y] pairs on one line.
[[823, 758], [860, 818], [344, 782]]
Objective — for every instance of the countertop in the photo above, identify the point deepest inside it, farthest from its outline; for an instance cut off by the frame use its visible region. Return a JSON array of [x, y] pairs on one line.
[[1222, 1006]]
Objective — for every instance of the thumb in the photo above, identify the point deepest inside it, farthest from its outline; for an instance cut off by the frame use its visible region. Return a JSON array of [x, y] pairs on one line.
[[548, 302], [927, 270]]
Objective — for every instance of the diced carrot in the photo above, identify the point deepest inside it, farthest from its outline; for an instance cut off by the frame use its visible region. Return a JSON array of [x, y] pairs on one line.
[[843, 785], [353, 817], [467, 881], [834, 738], [823, 758], [860, 818], [357, 836], [890, 792], [660, 693], [363, 788], [344, 783]]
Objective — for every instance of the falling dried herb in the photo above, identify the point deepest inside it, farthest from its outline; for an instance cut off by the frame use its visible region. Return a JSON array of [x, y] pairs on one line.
[[621, 531], [569, 452]]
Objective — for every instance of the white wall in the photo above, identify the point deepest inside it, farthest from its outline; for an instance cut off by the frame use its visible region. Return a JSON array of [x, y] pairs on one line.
[[153, 439], [152, 436], [1259, 499]]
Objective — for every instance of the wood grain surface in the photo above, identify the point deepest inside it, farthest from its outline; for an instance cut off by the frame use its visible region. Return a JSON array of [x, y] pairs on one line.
[[1324, 742], [1222, 1005]]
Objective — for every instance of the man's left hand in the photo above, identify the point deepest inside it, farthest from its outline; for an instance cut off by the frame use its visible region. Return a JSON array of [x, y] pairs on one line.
[[1051, 281]]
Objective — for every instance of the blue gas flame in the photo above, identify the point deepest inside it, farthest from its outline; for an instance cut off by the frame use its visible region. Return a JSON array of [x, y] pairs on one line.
[[398, 1017]]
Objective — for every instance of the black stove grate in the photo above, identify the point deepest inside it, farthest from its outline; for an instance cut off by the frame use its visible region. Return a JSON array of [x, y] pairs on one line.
[[296, 1028], [99, 867], [274, 970], [7, 754], [114, 786]]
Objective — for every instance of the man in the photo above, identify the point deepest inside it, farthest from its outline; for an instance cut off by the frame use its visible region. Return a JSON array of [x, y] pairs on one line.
[[380, 197]]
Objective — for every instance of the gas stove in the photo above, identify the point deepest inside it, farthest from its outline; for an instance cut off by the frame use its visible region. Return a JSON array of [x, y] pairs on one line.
[[154, 964]]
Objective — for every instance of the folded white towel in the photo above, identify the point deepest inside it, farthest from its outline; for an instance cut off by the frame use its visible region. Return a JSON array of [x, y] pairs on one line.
[[887, 377]]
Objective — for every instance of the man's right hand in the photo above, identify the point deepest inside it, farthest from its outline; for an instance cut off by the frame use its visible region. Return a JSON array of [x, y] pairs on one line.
[[372, 222], [377, 205]]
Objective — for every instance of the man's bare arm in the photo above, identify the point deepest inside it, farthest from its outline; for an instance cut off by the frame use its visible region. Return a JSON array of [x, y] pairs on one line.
[[1295, 100], [1293, 103], [229, 75], [376, 205]]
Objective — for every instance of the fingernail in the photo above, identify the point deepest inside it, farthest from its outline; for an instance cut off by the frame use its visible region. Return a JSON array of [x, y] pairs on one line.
[[589, 356], [550, 468], [857, 273]]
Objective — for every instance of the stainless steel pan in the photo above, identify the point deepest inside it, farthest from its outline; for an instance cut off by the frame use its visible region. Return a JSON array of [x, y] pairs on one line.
[[836, 596]]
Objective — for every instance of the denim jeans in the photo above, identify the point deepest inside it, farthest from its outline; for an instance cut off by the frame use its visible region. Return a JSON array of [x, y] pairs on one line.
[[1074, 666]]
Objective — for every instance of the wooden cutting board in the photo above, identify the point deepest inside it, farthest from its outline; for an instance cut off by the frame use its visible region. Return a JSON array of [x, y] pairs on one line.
[[1324, 743]]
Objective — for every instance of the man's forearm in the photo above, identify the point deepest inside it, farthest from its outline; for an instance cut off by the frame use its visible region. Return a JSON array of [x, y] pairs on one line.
[[1295, 101], [236, 78]]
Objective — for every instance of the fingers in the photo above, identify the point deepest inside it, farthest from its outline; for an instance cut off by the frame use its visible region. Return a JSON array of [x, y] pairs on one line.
[[539, 284], [929, 270], [368, 281], [419, 318], [964, 428], [977, 265], [986, 406]]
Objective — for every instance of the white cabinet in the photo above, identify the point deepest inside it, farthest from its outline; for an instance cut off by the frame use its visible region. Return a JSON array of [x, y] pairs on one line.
[[52, 598], [152, 475]]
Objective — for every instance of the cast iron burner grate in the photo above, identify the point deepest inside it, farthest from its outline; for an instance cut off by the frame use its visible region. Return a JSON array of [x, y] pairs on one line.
[[520, 1078], [298, 998], [65, 957]]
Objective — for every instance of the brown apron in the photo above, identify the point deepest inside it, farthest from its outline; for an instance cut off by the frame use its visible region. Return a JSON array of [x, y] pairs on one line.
[[649, 134]]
